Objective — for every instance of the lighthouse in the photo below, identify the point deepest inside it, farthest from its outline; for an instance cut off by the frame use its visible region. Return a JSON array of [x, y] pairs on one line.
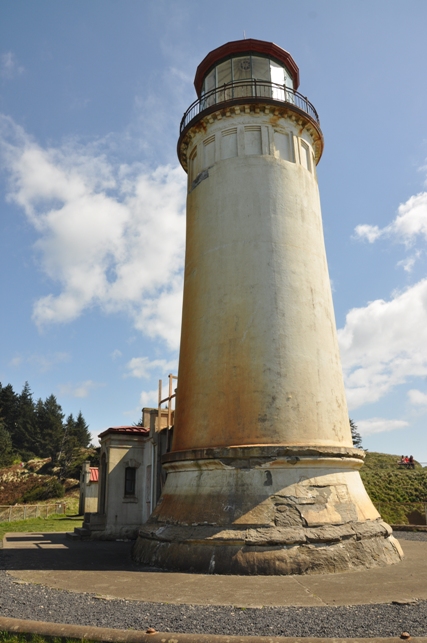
[[262, 477]]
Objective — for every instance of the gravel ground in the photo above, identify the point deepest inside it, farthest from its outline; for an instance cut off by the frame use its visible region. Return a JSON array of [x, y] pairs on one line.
[[21, 600]]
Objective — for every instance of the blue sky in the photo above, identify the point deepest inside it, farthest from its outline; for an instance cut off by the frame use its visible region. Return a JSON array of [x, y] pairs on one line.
[[92, 208]]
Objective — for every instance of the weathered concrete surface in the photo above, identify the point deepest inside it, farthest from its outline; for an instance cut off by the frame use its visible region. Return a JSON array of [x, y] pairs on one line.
[[106, 568], [259, 358], [264, 510]]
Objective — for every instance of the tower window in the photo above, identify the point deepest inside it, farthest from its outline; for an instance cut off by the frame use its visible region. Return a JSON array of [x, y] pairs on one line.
[[130, 478]]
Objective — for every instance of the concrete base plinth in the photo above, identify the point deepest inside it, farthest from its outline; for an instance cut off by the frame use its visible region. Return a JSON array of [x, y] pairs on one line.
[[265, 510]]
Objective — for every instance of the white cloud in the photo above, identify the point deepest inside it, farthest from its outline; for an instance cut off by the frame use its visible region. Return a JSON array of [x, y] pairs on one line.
[[82, 389], [143, 367], [408, 263], [384, 344], [410, 223], [44, 363], [417, 397], [116, 354], [379, 425], [149, 398], [9, 67], [16, 361], [369, 232], [109, 234]]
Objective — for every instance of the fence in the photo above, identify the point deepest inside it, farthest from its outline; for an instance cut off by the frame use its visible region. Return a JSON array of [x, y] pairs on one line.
[[10, 513]]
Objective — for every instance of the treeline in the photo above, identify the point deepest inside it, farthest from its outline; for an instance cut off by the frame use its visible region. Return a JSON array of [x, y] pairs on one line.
[[37, 429]]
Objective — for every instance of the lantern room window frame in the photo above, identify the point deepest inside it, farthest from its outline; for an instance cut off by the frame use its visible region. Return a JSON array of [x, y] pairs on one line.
[[220, 79]]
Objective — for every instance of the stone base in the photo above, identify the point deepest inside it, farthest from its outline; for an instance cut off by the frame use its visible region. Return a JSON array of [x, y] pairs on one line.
[[265, 510], [325, 550]]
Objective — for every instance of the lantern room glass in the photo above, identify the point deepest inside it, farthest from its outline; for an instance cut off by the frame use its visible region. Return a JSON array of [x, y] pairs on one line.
[[229, 76]]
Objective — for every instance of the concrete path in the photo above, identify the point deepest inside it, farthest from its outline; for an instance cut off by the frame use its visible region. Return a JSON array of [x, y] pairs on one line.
[[106, 569]]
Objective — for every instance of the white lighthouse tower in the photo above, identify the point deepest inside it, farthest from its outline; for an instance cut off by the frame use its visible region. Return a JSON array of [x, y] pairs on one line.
[[262, 477]]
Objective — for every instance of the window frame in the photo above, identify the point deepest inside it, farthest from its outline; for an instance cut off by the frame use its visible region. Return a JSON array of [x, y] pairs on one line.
[[132, 480]]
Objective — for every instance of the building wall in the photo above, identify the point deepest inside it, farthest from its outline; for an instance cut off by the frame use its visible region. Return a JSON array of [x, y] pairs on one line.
[[123, 514], [91, 498], [88, 501]]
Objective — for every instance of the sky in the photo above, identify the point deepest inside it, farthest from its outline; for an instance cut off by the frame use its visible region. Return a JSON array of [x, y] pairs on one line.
[[92, 202]]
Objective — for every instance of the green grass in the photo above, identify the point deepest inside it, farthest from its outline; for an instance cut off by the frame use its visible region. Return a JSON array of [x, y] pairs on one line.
[[8, 637], [396, 493], [55, 522]]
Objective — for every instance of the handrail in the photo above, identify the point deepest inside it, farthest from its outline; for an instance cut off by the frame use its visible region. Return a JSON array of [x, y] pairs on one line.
[[250, 88]]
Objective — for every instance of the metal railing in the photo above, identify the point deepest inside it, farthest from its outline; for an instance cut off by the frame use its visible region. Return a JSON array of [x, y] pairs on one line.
[[250, 88], [10, 513]]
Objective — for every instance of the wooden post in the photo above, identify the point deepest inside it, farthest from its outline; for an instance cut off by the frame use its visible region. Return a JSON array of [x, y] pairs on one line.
[[170, 400], [159, 411]]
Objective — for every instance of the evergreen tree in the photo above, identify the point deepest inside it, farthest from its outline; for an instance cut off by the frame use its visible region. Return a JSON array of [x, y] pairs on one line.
[[81, 431], [6, 450], [39, 429], [69, 446], [50, 427], [9, 411], [355, 435], [25, 434]]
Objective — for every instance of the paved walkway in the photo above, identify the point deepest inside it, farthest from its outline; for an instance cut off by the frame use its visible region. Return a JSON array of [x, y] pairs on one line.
[[106, 569]]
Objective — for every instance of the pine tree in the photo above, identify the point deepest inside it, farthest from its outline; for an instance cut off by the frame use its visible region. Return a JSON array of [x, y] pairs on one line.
[[69, 446], [81, 431], [25, 433], [6, 450], [38, 429], [9, 410], [355, 435], [50, 426]]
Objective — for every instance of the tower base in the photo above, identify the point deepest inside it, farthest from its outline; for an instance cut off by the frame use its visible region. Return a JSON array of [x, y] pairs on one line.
[[265, 510]]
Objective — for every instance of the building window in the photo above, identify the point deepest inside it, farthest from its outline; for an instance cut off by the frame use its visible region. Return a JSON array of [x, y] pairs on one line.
[[130, 478]]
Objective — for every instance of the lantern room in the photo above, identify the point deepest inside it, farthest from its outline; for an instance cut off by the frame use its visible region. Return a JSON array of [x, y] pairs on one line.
[[241, 61]]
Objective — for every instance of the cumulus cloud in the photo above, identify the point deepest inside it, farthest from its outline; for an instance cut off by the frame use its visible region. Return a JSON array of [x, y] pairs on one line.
[[82, 389], [409, 262], [384, 344], [379, 425], [417, 398], [369, 232], [43, 363], [110, 234], [410, 223], [149, 398], [142, 367], [9, 66]]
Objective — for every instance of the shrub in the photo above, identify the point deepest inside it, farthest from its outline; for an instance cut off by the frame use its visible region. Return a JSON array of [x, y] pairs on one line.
[[52, 489]]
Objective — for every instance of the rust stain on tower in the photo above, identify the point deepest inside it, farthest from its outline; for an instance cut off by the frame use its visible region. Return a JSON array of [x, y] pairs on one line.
[[262, 475]]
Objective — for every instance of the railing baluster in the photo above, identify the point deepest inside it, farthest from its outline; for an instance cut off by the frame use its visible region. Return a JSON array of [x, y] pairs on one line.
[[251, 88]]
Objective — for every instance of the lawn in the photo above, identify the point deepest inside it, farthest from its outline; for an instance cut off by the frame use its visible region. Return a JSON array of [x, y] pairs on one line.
[[8, 637], [399, 494], [55, 522]]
